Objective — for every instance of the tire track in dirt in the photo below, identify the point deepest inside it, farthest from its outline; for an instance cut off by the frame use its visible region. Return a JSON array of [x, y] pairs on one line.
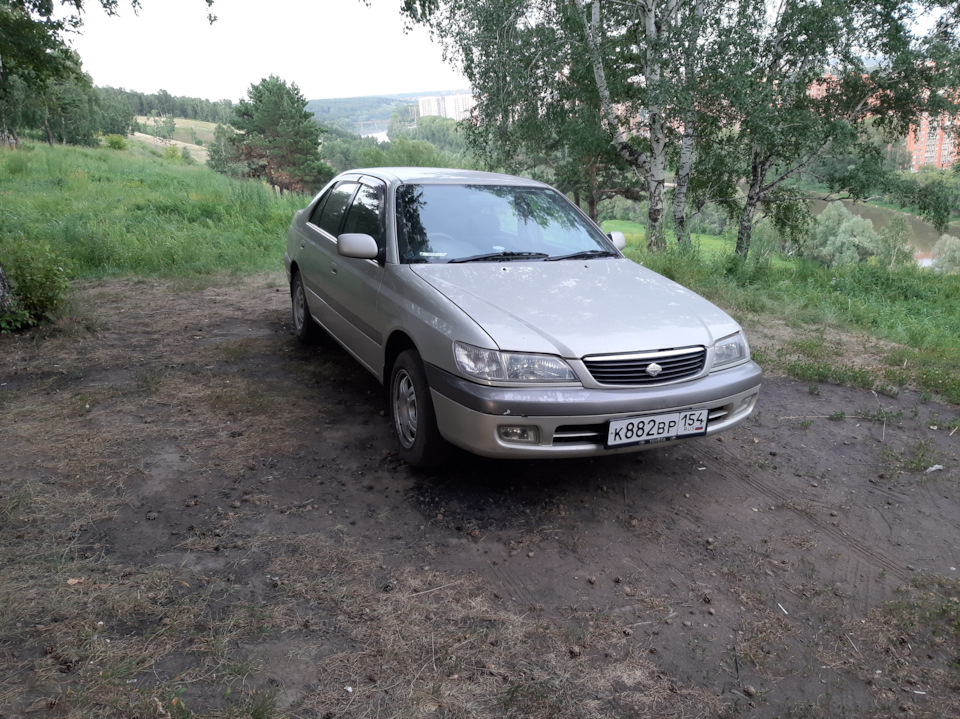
[[767, 484], [515, 586]]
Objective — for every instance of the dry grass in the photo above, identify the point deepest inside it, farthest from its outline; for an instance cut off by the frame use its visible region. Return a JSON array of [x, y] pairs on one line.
[[906, 649]]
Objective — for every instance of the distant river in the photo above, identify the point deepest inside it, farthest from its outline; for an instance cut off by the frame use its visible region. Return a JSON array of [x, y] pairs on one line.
[[381, 136], [923, 236]]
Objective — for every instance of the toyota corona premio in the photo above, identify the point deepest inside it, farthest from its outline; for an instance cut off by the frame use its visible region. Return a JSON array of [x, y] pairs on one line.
[[501, 320]]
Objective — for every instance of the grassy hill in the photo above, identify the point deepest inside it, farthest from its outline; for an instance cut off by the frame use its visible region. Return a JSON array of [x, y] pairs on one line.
[[357, 114], [136, 211], [192, 132]]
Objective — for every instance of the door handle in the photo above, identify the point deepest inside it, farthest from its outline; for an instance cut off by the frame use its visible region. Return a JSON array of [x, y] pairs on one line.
[[333, 268]]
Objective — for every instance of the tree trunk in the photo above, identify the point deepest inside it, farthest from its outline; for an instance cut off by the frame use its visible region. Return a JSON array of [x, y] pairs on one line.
[[656, 181], [656, 238], [683, 183], [639, 161], [652, 65], [745, 230], [758, 173], [6, 297], [46, 126], [594, 191]]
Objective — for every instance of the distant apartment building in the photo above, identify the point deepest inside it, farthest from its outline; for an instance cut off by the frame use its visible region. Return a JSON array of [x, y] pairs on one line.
[[432, 105], [933, 142], [456, 107]]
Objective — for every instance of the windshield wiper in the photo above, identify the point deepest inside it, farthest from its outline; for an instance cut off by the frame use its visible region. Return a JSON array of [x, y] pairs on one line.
[[583, 255], [495, 256]]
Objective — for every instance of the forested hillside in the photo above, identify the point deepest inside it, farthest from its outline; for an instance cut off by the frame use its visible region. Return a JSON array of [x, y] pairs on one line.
[[359, 114]]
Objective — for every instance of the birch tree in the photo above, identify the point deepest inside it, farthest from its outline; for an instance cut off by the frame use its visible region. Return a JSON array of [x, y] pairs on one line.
[[797, 80], [608, 82], [727, 93]]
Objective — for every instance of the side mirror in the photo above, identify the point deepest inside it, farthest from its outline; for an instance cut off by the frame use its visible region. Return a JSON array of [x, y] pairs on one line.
[[618, 239], [357, 245]]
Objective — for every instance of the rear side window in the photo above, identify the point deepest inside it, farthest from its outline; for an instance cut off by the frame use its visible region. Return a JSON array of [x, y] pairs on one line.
[[364, 215], [332, 209]]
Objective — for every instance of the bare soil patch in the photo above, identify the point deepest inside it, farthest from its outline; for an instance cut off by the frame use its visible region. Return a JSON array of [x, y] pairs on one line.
[[198, 516]]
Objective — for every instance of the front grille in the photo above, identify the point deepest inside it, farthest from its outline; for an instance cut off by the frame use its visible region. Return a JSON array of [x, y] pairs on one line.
[[631, 369]]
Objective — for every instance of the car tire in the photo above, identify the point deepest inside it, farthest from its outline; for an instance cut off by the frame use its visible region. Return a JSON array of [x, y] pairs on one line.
[[411, 410], [304, 327]]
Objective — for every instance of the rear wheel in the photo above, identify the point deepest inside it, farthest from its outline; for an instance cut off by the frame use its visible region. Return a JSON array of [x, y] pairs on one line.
[[304, 327], [411, 408]]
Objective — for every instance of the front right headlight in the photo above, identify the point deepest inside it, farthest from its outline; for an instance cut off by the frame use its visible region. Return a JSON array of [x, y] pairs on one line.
[[495, 366], [730, 350]]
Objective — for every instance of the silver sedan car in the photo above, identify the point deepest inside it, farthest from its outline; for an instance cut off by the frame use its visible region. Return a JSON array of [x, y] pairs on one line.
[[501, 320]]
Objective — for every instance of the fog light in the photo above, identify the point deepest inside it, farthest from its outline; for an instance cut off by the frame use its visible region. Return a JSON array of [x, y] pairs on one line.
[[524, 434]]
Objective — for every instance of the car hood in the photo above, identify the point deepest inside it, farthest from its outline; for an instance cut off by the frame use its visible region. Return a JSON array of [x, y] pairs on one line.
[[577, 308]]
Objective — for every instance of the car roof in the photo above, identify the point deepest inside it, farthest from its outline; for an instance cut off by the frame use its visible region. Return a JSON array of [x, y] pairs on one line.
[[442, 175]]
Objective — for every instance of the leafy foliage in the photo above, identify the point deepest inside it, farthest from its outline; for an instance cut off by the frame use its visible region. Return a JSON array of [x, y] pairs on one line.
[[115, 142], [359, 114], [39, 283], [277, 139], [719, 90], [538, 108], [839, 237], [894, 249], [946, 253], [34, 54], [164, 104]]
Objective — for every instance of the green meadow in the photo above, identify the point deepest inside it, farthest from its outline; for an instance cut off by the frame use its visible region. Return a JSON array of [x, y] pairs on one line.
[[119, 212]]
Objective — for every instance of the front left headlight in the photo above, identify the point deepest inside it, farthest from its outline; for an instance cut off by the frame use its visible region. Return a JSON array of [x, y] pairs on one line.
[[730, 350], [494, 366]]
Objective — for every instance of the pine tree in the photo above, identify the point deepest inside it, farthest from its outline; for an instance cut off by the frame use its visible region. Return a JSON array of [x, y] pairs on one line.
[[278, 139]]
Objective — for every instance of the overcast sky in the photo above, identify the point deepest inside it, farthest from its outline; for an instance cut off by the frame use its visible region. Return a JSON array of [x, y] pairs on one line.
[[329, 48]]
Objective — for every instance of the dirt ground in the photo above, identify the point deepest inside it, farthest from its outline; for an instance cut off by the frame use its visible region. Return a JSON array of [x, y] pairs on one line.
[[200, 517]]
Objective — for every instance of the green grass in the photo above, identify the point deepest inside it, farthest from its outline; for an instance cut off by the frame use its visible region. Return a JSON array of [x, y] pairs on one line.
[[710, 245], [109, 212], [915, 308]]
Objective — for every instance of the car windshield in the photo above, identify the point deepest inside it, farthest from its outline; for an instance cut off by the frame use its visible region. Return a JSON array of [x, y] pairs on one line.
[[492, 223]]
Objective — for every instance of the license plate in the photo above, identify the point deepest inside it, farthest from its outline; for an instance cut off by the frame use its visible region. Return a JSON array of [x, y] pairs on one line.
[[656, 427]]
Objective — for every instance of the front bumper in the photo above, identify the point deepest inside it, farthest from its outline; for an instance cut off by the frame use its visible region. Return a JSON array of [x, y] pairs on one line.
[[571, 421]]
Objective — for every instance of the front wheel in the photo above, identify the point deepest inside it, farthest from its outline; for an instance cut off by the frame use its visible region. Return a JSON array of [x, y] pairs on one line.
[[303, 325], [411, 408]]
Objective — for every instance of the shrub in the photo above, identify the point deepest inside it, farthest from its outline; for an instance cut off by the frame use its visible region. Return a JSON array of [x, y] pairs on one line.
[[116, 142], [946, 254], [841, 238], [172, 153], [38, 281]]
